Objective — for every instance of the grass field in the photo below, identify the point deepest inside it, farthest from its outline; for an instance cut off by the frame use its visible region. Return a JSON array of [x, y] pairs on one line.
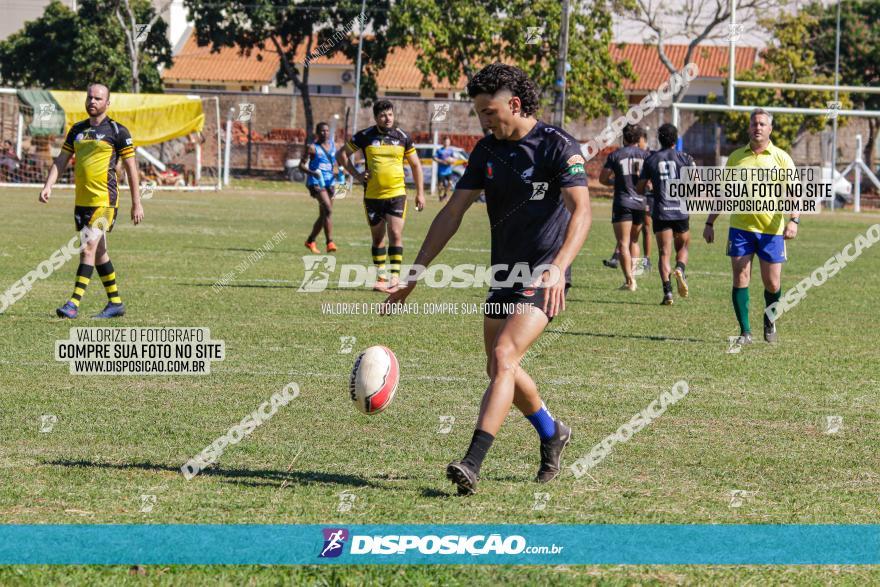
[[752, 421]]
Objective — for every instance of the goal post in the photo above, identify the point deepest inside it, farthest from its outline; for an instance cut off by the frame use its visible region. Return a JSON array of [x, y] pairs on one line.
[[192, 161], [731, 106]]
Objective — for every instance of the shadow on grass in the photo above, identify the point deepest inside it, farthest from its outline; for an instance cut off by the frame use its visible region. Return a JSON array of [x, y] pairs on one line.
[[272, 286], [628, 302], [635, 336], [431, 492], [242, 250], [255, 478]]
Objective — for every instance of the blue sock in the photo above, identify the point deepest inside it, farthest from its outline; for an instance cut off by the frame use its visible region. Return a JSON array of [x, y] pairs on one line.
[[543, 422]]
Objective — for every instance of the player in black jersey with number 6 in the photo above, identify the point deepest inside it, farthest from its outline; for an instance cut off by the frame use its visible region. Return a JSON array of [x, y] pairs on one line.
[[539, 213]]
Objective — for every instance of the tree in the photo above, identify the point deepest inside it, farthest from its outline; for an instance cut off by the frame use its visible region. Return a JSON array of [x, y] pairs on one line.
[[65, 50], [694, 21], [137, 25], [458, 37], [859, 54], [319, 27], [32, 56], [789, 59]]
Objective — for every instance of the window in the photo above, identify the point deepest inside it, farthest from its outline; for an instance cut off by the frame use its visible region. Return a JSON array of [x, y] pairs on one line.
[[324, 89], [694, 99]]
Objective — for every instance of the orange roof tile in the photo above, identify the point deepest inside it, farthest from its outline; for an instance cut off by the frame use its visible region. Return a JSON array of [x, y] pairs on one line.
[[401, 74], [650, 72], [195, 63]]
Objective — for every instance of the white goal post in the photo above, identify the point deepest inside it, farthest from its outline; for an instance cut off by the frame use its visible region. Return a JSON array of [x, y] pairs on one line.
[[191, 163], [731, 106]]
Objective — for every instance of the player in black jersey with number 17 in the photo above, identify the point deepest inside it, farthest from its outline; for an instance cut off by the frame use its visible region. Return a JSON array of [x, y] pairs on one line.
[[539, 213], [628, 209]]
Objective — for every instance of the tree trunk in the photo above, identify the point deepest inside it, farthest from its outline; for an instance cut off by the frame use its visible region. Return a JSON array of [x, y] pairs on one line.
[[300, 84], [135, 70], [130, 31]]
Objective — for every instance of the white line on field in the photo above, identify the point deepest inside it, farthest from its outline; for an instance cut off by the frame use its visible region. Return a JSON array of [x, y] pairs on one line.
[[337, 375]]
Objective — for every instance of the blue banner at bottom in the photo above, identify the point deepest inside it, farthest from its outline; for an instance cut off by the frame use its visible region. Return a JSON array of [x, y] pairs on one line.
[[642, 544]]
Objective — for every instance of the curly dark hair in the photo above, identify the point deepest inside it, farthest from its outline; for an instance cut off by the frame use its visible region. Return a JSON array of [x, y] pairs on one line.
[[500, 76], [667, 135]]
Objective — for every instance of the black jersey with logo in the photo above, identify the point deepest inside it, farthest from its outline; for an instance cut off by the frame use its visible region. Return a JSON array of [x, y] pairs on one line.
[[627, 163], [523, 181], [384, 153], [97, 149], [659, 168]]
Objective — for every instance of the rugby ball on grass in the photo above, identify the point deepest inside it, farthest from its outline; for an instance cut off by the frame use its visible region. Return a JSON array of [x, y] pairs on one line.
[[374, 379]]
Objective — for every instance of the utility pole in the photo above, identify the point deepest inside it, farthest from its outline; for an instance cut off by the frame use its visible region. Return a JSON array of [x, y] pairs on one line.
[[357, 72], [561, 65], [357, 82]]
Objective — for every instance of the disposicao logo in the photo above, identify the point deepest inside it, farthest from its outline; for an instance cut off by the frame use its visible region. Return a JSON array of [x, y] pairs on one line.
[[334, 541]]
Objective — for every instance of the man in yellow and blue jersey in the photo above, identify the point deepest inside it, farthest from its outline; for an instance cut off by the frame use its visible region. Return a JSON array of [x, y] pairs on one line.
[[763, 233], [385, 148], [97, 143]]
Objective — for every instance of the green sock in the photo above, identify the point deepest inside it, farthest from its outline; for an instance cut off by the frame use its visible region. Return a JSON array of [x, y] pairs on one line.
[[741, 308], [769, 300]]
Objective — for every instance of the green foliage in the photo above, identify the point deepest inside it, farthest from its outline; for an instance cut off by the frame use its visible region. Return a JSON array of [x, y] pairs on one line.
[[458, 37], [66, 50], [287, 29], [788, 60], [859, 45], [859, 53], [38, 54]]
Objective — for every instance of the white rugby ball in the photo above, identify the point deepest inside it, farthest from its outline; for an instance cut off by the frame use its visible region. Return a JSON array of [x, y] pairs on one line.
[[374, 379]]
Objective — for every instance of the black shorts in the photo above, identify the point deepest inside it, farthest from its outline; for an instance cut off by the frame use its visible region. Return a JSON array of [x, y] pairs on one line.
[[89, 215], [623, 214], [377, 209], [501, 302], [676, 226], [315, 191]]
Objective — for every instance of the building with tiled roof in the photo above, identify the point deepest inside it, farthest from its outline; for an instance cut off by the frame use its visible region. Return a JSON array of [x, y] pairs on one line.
[[197, 68], [710, 60]]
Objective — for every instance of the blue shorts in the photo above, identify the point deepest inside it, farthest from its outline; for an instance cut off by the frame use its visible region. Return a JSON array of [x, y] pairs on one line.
[[769, 247]]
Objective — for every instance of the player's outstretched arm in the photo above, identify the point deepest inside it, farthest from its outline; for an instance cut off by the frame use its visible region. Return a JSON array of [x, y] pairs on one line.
[[419, 178], [445, 225], [131, 170], [58, 167], [577, 201]]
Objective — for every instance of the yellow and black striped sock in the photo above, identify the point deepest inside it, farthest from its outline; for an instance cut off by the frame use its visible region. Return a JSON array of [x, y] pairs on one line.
[[108, 276], [83, 276], [395, 259], [379, 257]]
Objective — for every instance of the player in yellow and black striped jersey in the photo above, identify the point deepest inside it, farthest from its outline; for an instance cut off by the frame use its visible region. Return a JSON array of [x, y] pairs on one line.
[[385, 148], [97, 144]]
